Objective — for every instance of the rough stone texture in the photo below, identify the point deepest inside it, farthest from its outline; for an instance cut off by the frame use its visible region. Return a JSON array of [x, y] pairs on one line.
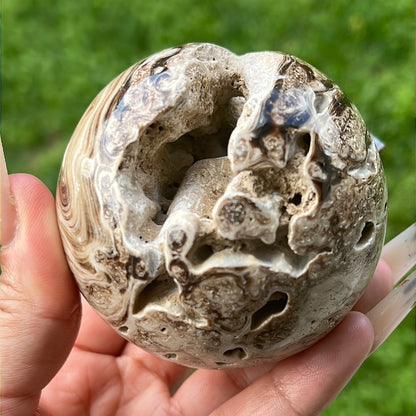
[[222, 210]]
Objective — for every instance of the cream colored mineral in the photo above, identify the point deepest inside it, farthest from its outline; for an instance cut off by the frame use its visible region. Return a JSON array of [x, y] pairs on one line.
[[222, 210]]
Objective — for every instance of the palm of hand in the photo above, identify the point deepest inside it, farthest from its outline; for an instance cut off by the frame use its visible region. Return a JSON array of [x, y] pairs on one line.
[[104, 375]]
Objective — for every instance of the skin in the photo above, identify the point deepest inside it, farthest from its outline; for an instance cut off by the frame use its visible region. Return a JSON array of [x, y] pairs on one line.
[[58, 357]]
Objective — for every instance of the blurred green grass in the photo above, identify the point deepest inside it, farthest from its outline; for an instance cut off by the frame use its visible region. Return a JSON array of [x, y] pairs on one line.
[[56, 56]]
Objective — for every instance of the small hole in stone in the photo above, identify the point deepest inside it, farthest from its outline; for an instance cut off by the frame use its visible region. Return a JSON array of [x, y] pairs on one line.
[[170, 356], [123, 329], [235, 354], [163, 329], [220, 363], [297, 199], [160, 218], [331, 321], [304, 142], [201, 253], [366, 233], [275, 306]]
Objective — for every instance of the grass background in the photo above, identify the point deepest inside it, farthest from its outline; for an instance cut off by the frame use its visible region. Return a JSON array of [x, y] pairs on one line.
[[57, 55]]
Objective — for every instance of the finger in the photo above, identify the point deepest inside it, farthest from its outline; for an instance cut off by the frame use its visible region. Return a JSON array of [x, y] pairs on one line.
[[380, 285], [8, 211], [40, 306], [227, 384], [300, 385], [171, 374], [96, 335]]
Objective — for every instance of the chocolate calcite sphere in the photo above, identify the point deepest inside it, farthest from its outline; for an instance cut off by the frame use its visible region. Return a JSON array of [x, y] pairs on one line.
[[221, 210]]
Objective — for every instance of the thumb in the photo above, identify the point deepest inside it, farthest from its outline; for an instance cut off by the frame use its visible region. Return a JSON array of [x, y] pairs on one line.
[[40, 306]]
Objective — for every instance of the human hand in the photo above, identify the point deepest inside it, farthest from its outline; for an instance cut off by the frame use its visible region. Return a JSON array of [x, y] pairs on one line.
[[55, 362]]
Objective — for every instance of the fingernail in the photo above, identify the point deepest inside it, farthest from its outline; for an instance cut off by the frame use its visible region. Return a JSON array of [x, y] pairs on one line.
[[8, 218]]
